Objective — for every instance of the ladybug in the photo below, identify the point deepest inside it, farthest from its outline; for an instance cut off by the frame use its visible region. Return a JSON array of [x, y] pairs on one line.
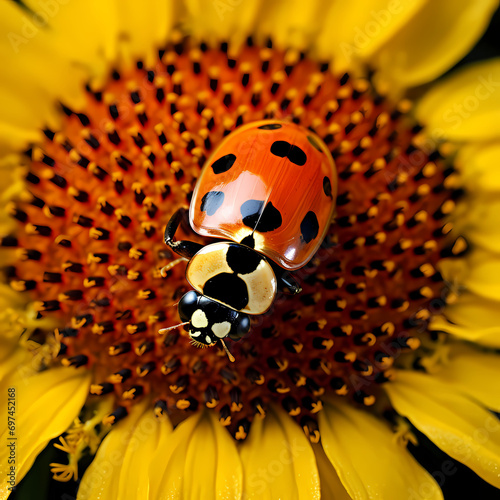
[[267, 195]]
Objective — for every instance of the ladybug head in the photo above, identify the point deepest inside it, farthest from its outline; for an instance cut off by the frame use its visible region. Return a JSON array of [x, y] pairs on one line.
[[210, 321]]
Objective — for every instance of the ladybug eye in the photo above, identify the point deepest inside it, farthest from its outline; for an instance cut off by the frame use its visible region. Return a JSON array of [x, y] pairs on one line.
[[243, 326], [187, 305]]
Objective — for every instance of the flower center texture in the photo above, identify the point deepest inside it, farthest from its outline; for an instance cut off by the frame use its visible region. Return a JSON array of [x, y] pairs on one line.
[[100, 190]]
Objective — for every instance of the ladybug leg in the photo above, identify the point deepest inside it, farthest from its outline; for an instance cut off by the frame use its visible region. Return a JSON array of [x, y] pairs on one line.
[[288, 284], [186, 249]]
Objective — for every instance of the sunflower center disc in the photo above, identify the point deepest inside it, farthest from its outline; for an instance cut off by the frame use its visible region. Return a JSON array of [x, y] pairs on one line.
[[100, 190]]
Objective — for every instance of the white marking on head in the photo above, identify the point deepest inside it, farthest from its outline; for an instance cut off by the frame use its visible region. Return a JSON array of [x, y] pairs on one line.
[[199, 319], [208, 340], [194, 334], [221, 329]]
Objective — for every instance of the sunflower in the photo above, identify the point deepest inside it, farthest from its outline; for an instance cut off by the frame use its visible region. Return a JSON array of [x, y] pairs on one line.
[[108, 112]]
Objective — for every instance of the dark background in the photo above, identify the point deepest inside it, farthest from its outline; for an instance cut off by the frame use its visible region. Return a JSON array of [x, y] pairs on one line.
[[456, 480]]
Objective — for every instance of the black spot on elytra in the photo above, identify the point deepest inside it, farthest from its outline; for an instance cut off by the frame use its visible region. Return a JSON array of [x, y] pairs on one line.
[[212, 201], [327, 187], [293, 153], [227, 288], [312, 140], [223, 164], [242, 260], [309, 227], [297, 156], [248, 241], [250, 210], [270, 126], [280, 148], [268, 221]]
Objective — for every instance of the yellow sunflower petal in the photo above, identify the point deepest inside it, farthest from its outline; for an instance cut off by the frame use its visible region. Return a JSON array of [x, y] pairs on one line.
[[478, 221], [12, 318], [482, 278], [290, 23], [331, 486], [149, 433], [199, 461], [24, 105], [438, 36], [368, 458], [278, 460], [144, 26], [221, 20], [472, 372], [12, 358], [39, 73], [81, 30], [120, 467], [164, 462], [487, 337], [356, 29], [155, 464], [454, 271], [466, 104], [472, 311], [17, 118], [470, 318], [477, 167], [46, 404], [20, 28], [477, 216], [461, 428]]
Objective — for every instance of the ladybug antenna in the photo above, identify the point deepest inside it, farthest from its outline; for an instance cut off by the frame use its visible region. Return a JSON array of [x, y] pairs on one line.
[[164, 270], [226, 350], [165, 330]]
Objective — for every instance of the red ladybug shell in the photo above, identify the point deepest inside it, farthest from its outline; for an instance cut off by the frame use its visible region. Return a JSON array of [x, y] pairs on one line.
[[272, 178]]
